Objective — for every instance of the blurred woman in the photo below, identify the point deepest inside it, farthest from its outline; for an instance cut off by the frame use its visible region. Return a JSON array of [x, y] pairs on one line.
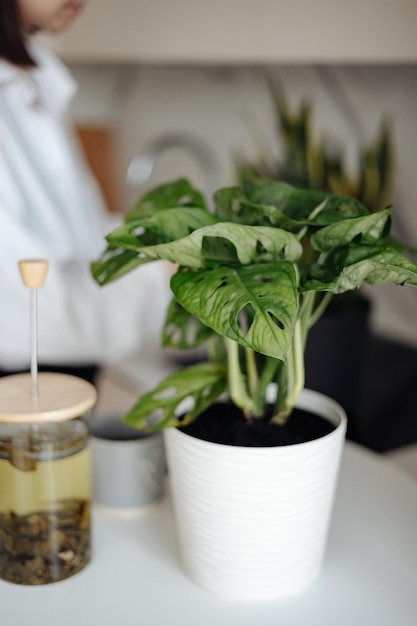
[[51, 208]]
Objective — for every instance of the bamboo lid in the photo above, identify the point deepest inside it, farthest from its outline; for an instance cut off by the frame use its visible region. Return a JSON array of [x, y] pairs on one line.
[[60, 397]]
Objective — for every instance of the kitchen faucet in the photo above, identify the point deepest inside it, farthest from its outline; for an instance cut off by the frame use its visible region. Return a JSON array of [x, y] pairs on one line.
[[142, 166]]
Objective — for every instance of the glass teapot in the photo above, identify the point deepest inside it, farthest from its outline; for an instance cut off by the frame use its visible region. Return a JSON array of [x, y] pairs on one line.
[[44, 478]]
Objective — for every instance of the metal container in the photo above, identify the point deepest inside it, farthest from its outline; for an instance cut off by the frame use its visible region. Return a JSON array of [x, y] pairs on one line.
[[129, 467], [45, 483]]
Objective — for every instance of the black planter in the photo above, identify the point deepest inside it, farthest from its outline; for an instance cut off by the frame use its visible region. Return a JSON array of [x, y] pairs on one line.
[[336, 352]]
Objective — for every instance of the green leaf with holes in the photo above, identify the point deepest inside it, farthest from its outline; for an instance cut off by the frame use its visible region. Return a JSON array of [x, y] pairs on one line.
[[179, 193], [125, 242], [179, 398], [163, 227], [365, 230], [299, 204], [256, 305], [250, 244], [380, 266], [114, 263], [183, 330]]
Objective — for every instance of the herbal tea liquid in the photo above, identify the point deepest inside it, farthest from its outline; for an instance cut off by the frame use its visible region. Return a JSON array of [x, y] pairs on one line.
[[44, 501]]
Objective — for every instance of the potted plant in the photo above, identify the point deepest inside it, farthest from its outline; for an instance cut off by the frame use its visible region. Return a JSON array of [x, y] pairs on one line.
[[308, 158], [252, 456]]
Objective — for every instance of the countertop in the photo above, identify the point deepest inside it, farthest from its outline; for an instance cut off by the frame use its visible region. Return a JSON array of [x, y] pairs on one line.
[[136, 576]]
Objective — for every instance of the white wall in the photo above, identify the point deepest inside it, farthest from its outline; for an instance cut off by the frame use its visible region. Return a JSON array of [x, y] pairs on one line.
[[239, 31], [220, 106]]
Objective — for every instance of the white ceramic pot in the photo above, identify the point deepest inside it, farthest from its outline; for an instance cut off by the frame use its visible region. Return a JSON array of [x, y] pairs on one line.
[[253, 522]]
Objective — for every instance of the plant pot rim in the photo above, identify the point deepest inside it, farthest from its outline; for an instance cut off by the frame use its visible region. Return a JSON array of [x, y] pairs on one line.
[[323, 405]]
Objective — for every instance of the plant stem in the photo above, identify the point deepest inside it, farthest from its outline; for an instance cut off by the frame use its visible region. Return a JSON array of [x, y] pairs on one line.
[[238, 391], [318, 209], [253, 378], [320, 308], [215, 349], [301, 233], [304, 316], [268, 375], [291, 378]]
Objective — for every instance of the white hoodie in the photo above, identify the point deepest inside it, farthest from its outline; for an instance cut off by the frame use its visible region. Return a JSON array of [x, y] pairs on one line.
[[50, 207]]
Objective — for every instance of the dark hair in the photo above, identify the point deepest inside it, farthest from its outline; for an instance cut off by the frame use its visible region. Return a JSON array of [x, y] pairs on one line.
[[12, 39]]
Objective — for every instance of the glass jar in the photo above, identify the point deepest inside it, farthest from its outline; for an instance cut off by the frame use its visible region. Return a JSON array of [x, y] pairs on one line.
[[45, 485]]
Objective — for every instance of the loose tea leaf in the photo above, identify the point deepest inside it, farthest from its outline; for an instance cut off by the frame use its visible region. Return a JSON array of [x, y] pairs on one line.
[[45, 546], [20, 458]]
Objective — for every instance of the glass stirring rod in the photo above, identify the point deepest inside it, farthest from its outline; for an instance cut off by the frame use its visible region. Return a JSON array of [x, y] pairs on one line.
[[33, 273]]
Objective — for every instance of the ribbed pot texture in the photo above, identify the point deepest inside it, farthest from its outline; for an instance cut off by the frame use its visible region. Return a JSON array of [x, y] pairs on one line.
[[253, 522]]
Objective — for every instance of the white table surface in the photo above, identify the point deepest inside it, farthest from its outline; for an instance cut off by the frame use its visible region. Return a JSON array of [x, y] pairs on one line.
[[135, 578]]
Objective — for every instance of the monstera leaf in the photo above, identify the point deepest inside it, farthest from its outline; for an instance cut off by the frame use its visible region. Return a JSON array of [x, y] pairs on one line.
[[299, 204], [179, 193], [179, 398], [377, 267], [114, 263], [162, 227], [233, 206], [123, 252], [246, 244], [183, 330], [368, 230], [256, 306]]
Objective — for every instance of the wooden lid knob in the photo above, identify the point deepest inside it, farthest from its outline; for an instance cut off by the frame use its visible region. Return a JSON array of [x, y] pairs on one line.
[[33, 272]]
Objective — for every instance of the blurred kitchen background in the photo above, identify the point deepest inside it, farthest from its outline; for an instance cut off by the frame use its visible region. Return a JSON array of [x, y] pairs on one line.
[[180, 89]]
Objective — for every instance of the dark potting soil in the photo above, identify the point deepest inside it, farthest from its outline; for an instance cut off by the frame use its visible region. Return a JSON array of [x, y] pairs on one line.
[[225, 423]]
